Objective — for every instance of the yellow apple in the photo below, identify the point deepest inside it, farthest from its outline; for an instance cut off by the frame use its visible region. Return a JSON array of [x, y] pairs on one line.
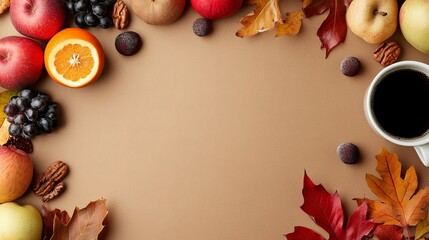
[[158, 12], [373, 20], [20, 222], [414, 23]]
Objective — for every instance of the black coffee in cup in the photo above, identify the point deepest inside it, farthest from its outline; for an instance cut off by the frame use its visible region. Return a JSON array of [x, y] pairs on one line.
[[401, 103]]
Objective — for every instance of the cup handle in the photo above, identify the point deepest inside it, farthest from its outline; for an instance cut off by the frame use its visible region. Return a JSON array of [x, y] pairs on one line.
[[423, 153]]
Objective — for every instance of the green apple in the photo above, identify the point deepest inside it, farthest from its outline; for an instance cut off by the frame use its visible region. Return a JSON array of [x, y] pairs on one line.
[[373, 20], [20, 222], [414, 23]]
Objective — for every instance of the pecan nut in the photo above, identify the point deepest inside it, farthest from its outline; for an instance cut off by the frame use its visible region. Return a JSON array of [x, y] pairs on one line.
[[49, 184], [120, 15], [387, 53]]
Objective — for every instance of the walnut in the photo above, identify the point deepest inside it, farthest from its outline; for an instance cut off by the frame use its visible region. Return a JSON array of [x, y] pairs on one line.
[[49, 184], [120, 15], [387, 53]]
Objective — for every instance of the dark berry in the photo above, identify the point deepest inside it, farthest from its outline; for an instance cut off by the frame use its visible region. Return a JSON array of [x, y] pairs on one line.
[[106, 22], [202, 27], [10, 110], [20, 118], [348, 153], [15, 130], [13, 100], [350, 66], [128, 43], [38, 103], [81, 6], [29, 130], [27, 93], [70, 7], [94, 1], [43, 97], [99, 10], [79, 20], [91, 20], [31, 114], [22, 103], [45, 124], [108, 3], [10, 119]]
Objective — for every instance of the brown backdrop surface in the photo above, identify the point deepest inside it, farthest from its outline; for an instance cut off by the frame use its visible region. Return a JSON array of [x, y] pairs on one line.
[[208, 138]]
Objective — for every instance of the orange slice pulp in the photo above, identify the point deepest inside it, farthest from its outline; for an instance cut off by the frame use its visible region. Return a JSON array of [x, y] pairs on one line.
[[74, 57]]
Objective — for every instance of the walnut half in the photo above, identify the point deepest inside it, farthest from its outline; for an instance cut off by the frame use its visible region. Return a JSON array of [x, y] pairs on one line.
[[387, 53], [49, 184], [120, 15]]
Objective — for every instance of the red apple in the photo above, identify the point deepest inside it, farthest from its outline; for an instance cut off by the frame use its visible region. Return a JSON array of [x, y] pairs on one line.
[[216, 9], [21, 62], [16, 173], [39, 19]]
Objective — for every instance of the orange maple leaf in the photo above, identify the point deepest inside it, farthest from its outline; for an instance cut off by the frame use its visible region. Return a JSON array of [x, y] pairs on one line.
[[263, 18], [398, 203]]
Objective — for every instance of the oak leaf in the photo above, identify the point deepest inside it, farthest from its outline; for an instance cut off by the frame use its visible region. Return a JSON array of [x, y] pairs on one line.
[[48, 220], [326, 211], [85, 224], [263, 18], [399, 204], [333, 29], [291, 25]]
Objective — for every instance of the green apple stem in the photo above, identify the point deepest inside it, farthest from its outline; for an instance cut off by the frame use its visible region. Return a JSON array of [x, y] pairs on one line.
[[380, 13]]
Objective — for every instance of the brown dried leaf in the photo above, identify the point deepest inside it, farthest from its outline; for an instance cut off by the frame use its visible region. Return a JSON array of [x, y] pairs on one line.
[[263, 18], [291, 25], [48, 220], [85, 224]]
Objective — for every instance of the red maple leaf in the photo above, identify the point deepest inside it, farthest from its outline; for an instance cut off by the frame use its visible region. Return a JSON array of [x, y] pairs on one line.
[[326, 211], [333, 30]]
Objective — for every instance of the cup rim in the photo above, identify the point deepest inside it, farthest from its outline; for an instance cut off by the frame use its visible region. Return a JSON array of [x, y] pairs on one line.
[[415, 65]]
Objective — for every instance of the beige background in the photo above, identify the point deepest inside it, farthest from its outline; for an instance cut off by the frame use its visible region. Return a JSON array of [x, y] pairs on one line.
[[208, 138]]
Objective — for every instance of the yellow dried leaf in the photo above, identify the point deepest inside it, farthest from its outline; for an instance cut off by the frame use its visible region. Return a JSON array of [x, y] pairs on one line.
[[291, 25], [4, 132], [422, 228], [263, 18]]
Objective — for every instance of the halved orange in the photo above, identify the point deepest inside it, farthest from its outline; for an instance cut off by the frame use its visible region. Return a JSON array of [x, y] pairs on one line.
[[74, 57]]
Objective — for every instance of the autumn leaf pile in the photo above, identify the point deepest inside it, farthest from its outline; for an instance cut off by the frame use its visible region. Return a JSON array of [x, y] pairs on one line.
[[399, 212], [267, 15]]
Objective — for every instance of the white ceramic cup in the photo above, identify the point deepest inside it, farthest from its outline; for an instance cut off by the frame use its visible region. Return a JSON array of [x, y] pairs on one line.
[[420, 143]]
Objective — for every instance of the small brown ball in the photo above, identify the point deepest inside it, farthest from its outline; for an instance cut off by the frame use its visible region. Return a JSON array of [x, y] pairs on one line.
[[128, 43], [202, 27], [348, 153], [350, 66]]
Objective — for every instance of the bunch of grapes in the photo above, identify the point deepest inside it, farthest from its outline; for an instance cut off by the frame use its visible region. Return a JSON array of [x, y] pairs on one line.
[[91, 13], [31, 113]]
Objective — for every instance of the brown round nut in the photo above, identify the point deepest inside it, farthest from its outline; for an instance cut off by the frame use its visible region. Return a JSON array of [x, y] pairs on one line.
[[350, 66], [348, 153], [202, 27]]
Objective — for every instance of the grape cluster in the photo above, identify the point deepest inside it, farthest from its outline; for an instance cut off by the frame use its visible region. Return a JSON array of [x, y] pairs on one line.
[[31, 113], [91, 13]]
